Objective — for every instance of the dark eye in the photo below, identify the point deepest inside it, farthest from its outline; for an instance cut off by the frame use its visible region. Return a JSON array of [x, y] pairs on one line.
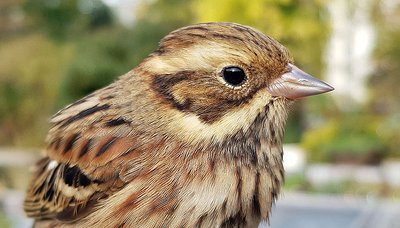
[[234, 76]]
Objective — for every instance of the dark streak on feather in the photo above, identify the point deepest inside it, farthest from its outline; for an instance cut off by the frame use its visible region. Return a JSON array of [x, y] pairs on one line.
[[70, 142], [195, 27], [273, 138], [162, 203], [266, 158], [200, 220], [69, 175], [256, 202], [48, 196], [116, 122], [237, 220], [228, 37], [253, 156], [172, 210], [198, 35], [160, 51], [132, 202], [85, 148], [39, 189], [212, 164], [74, 177], [97, 181], [84, 180], [121, 225], [107, 97], [239, 183], [106, 146], [223, 208], [56, 143], [85, 113]]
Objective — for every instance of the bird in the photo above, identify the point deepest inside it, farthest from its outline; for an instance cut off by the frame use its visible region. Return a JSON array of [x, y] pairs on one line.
[[190, 137]]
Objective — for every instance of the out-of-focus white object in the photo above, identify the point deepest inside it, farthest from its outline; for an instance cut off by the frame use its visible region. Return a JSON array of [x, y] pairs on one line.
[[391, 173], [294, 159], [349, 50]]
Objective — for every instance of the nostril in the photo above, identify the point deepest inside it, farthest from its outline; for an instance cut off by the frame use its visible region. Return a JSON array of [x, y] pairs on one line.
[[303, 81]]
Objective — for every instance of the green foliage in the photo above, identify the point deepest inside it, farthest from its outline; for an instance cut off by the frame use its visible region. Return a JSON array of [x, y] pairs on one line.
[[29, 79], [297, 182], [384, 92], [168, 13], [346, 187], [353, 188], [105, 55], [100, 58], [66, 18], [111, 51], [4, 221], [295, 124], [347, 138]]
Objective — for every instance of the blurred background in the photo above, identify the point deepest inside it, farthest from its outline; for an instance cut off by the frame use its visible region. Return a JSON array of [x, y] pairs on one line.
[[342, 149]]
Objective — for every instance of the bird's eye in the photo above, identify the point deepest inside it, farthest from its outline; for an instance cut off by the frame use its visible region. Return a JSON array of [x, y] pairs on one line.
[[234, 76]]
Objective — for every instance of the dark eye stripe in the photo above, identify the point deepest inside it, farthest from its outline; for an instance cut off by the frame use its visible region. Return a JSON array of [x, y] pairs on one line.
[[163, 84]]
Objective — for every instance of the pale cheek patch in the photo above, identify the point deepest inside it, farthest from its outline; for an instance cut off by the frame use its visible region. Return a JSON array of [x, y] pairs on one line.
[[189, 127]]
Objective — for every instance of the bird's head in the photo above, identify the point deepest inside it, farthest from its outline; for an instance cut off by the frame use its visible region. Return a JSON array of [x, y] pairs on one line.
[[218, 77]]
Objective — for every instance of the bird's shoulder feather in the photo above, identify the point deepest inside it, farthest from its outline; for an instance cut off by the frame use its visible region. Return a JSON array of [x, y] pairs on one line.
[[92, 151]]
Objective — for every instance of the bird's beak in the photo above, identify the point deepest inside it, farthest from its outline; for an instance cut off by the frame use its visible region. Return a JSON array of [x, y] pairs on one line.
[[296, 84]]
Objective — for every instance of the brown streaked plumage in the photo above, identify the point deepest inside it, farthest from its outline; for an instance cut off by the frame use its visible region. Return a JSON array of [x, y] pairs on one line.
[[192, 137]]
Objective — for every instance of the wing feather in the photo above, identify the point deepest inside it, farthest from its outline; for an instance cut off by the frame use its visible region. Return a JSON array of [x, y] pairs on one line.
[[86, 147]]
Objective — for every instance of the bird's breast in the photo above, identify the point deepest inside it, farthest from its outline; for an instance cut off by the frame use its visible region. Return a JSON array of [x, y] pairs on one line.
[[232, 195]]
